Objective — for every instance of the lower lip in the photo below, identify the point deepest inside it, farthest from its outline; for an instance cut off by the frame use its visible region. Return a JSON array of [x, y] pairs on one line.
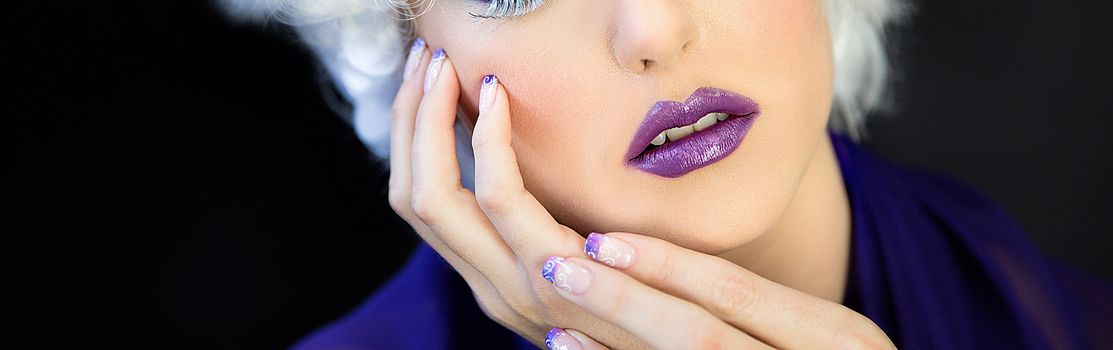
[[700, 149]]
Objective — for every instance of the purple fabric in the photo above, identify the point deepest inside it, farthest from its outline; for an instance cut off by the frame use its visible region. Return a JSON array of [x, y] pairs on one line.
[[934, 263]]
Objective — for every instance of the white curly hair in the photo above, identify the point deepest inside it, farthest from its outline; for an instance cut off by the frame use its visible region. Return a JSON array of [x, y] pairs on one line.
[[362, 44]]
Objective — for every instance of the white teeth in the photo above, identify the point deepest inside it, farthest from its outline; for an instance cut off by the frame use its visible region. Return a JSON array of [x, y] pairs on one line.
[[679, 133], [705, 122], [683, 131]]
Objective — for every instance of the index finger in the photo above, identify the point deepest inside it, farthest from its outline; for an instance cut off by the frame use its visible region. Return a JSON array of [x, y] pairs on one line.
[[525, 225]]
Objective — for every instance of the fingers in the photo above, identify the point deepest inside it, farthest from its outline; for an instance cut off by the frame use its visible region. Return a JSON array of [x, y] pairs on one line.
[[778, 315], [570, 339], [525, 225], [403, 112], [436, 172], [663, 321], [424, 173]]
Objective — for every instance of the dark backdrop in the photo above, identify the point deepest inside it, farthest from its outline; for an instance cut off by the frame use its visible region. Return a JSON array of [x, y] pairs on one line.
[[179, 182]]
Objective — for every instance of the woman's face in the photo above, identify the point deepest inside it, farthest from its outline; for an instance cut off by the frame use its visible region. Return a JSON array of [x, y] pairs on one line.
[[581, 76]]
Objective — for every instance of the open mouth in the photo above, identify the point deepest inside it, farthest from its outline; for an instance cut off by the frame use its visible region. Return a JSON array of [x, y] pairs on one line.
[[676, 138], [675, 134]]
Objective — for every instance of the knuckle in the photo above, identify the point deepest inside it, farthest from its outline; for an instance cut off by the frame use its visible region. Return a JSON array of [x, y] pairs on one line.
[[524, 309], [618, 301], [425, 207], [859, 340], [399, 201], [733, 296], [866, 335], [507, 305], [398, 111], [491, 197], [481, 138], [666, 270], [495, 310], [708, 336]]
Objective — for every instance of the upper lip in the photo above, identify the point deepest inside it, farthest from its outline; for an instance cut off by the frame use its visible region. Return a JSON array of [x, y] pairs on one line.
[[670, 114]]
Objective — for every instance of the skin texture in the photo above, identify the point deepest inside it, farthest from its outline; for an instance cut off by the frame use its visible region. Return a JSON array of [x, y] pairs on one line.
[[550, 166], [577, 97]]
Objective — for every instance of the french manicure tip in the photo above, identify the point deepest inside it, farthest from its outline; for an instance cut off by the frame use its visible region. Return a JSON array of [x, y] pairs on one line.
[[419, 43], [559, 339], [489, 79], [439, 54], [550, 267], [552, 339], [591, 246]]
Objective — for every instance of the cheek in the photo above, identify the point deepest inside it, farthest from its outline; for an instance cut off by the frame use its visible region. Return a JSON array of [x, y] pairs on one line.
[[543, 107], [565, 128], [553, 106], [540, 83], [554, 91], [796, 59]]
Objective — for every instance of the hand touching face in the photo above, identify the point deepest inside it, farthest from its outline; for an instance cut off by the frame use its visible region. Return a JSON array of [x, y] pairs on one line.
[[580, 77], [530, 273]]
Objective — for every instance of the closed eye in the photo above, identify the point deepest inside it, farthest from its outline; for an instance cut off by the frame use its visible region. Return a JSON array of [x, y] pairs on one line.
[[496, 9]]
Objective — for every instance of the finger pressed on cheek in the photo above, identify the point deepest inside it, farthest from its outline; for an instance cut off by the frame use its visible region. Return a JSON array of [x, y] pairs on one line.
[[487, 93]]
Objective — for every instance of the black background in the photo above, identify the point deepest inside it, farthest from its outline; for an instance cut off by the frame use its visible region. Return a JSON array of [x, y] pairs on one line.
[[178, 181]]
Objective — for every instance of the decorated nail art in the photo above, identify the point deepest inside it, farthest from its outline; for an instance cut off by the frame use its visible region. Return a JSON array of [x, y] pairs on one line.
[[558, 339], [566, 275], [609, 250], [487, 92], [414, 58], [434, 70]]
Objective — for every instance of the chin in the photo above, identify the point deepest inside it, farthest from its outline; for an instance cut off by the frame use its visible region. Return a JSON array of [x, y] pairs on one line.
[[714, 237]]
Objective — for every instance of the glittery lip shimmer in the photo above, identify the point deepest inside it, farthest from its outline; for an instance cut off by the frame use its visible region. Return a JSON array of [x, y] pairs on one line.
[[702, 148]]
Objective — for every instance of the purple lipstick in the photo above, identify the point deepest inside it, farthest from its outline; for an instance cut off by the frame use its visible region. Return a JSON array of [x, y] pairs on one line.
[[702, 130]]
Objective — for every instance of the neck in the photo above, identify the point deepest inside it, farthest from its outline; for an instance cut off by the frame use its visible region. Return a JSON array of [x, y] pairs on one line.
[[809, 248]]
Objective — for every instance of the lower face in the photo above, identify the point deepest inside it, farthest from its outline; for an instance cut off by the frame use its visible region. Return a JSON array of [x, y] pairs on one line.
[[577, 98]]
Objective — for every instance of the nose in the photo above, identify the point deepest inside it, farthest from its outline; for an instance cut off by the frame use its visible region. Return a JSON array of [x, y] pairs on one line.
[[653, 34]]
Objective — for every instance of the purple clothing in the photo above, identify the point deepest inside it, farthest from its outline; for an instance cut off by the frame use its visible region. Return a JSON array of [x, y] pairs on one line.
[[934, 263]]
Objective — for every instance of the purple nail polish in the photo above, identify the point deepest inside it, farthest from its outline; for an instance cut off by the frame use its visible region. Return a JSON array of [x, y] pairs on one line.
[[434, 70], [414, 58], [566, 275], [558, 339], [549, 269], [487, 93], [611, 251]]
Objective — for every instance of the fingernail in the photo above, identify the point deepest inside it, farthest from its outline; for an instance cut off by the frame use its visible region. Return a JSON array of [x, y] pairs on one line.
[[558, 339], [414, 58], [434, 70], [566, 275], [487, 93], [611, 251]]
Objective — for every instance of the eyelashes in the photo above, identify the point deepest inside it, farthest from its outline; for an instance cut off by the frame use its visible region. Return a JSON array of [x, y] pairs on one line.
[[506, 8]]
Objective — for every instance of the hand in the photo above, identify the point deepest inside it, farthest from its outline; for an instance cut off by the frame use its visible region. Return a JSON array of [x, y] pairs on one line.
[[498, 237], [675, 298]]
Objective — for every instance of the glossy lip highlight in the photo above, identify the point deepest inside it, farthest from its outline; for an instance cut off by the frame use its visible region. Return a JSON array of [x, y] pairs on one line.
[[676, 158]]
